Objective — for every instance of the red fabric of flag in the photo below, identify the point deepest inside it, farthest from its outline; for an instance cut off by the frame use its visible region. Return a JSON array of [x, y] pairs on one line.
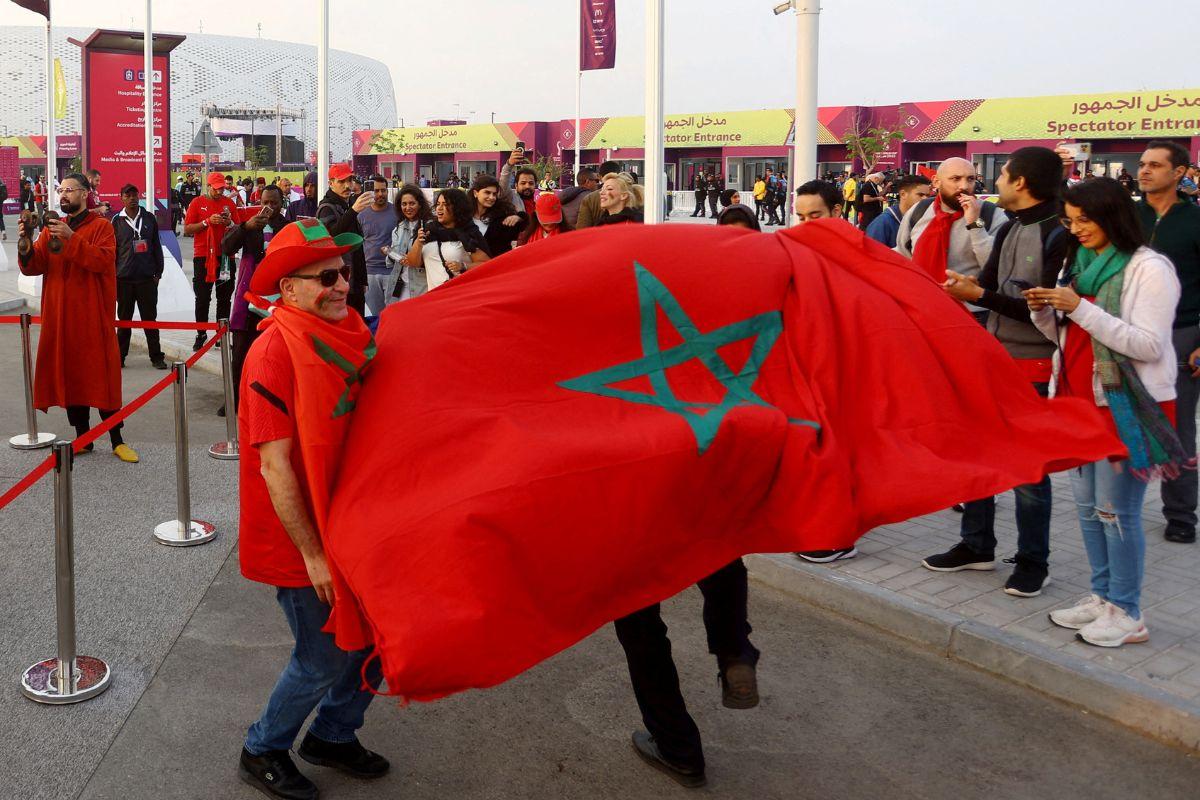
[[39, 6], [591, 424]]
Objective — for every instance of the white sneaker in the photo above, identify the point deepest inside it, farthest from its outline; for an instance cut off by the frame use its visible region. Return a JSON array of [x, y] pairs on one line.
[[1082, 613], [1113, 628]]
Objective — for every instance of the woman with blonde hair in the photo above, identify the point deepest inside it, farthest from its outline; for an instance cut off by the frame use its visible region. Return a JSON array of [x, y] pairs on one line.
[[620, 201]]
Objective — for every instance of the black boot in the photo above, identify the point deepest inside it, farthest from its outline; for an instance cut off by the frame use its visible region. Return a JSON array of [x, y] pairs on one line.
[[274, 774], [348, 757], [200, 340]]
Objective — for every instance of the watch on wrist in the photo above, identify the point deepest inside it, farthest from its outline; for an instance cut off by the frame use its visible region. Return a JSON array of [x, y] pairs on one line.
[[976, 225]]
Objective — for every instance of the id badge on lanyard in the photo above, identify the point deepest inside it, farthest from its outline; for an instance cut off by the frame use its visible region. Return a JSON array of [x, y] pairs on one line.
[[140, 245]]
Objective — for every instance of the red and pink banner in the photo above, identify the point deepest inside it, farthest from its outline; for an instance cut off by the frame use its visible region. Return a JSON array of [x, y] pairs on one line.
[[597, 34], [39, 6], [115, 121]]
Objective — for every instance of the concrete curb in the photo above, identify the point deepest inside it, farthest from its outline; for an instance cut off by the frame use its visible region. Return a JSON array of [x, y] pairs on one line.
[[1073, 680]]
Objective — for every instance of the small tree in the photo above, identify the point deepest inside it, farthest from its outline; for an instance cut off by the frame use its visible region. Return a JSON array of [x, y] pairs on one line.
[[255, 157], [867, 143]]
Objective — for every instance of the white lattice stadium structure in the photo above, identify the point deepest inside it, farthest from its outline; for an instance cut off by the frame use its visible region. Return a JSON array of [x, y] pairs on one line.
[[221, 70]]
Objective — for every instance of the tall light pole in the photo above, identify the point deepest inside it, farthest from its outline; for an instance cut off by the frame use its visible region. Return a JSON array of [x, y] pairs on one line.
[[654, 163], [804, 151], [148, 106], [323, 100]]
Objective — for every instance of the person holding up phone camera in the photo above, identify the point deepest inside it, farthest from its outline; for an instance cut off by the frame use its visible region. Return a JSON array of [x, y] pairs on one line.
[[1028, 253], [338, 212], [519, 191]]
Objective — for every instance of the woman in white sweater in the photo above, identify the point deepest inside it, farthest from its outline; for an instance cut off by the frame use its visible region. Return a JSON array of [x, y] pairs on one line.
[[1112, 315]]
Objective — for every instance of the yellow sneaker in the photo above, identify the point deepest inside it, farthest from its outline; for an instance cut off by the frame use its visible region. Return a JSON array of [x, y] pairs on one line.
[[126, 453]]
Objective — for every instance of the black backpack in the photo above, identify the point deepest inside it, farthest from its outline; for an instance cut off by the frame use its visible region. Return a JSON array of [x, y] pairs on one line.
[[987, 213]]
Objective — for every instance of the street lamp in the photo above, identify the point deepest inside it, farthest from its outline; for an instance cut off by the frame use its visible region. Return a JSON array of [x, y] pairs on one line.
[[804, 142]]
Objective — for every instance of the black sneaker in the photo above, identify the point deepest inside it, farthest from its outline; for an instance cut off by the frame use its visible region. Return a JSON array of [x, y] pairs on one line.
[[274, 774], [1027, 579], [348, 757], [825, 556], [160, 363], [1180, 534], [645, 746], [739, 685], [958, 558], [200, 340]]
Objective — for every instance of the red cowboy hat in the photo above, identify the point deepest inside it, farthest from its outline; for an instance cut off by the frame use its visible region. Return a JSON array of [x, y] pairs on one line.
[[304, 242]]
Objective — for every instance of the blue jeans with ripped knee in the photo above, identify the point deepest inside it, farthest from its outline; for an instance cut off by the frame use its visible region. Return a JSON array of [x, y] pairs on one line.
[[1109, 499]]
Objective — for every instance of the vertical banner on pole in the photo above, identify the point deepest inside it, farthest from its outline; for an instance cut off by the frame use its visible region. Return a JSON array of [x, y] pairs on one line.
[[597, 50], [655, 159]]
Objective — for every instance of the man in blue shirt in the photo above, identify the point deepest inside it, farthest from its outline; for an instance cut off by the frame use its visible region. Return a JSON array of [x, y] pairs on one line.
[[912, 190], [377, 222]]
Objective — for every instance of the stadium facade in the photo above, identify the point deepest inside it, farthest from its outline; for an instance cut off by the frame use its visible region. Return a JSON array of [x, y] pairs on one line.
[[220, 70]]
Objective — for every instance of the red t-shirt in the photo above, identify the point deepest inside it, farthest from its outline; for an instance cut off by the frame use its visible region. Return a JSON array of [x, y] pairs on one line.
[[1078, 365], [208, 241], [266, 413]]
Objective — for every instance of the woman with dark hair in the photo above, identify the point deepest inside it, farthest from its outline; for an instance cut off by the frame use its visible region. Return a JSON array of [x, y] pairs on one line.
[[730, 197], [412, 211], [445, 246], [739, 216], [497, 220], [547, 220], [1111, 316]]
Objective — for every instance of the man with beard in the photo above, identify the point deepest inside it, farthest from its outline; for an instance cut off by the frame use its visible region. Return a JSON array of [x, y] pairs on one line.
[[306, 206], [78, 366], [338, 216], [206, 220], [953, 230]]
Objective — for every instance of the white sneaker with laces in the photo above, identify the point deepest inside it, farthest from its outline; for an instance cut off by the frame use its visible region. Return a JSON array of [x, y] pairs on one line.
[[1082, 613], [1113, 628]]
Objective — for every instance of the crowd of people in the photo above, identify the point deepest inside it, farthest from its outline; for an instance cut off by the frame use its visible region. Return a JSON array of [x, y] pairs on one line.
[[1094, 296]]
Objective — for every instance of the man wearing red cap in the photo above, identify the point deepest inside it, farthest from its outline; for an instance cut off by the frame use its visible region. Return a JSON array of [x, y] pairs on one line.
[[547, 220], [299, 387], [339, 216], [207, 218]]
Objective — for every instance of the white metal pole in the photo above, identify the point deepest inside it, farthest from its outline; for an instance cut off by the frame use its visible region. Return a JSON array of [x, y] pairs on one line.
[[654, 161], [148, 101], [51, 167], [578, 113], [804, 153], [323, 101]]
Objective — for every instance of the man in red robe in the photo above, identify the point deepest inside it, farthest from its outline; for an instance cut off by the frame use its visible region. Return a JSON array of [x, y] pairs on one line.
[[78, 361]]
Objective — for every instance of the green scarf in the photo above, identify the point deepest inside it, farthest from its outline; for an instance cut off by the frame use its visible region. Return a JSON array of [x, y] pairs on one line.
[[1153, 444]]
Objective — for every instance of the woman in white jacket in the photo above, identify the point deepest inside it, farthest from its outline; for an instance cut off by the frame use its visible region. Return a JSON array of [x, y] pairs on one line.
[[1112, 316]]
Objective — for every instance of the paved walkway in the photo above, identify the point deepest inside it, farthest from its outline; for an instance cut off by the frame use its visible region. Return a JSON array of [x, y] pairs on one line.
[[890, 557]]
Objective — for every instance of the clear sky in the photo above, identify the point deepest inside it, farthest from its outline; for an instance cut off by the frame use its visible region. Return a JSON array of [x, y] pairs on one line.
[[518, 57]]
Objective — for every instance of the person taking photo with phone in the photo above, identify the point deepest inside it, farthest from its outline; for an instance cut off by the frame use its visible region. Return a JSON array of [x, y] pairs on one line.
[[412, 213], [338, 212], [1111, 318]]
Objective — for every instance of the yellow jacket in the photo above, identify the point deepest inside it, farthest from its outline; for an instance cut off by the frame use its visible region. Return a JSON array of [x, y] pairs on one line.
[[760, 190], [850, 190]]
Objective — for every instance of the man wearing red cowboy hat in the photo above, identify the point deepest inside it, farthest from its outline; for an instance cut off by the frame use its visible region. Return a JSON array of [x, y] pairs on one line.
[[299, 386], [207, 218]]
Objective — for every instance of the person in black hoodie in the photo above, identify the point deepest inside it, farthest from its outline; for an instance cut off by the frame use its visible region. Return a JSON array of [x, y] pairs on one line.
[[306, 206], [495, 217], [338, 216], [700, 188], [139, 268]]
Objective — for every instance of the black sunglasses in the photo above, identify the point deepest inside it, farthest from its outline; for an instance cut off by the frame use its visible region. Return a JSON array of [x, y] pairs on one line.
[[327, 277]]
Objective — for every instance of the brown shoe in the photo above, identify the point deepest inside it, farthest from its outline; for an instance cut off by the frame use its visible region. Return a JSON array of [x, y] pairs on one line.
[[739, 686]]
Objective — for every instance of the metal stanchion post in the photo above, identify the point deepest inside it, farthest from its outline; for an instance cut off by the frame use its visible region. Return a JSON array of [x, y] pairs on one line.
[[183, 531], [228, 449], [32, 440], [69, 678]]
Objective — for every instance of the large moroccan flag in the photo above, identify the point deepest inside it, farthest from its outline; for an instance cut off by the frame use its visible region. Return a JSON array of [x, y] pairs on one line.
[[592, 423]]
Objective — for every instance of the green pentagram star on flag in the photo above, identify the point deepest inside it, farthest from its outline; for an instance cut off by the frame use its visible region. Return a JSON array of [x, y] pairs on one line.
[[703, 418]]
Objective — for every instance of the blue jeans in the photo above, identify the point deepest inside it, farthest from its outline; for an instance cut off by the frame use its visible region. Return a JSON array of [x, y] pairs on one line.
[[318, 672], [1033, 519], [1110, 515]]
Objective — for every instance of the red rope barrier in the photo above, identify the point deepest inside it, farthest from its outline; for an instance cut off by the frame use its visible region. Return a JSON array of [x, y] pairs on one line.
[[104, 427], [129, 323]]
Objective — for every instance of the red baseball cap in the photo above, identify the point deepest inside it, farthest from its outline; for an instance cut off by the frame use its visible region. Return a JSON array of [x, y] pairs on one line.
[[549, 208], [340, 172], [304, 242], [216, 180]]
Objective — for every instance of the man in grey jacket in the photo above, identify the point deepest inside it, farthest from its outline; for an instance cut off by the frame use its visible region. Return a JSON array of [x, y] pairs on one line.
[[1029, 250]]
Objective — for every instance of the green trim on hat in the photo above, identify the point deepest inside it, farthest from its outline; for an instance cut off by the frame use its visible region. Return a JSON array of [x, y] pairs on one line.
[[348, 240]]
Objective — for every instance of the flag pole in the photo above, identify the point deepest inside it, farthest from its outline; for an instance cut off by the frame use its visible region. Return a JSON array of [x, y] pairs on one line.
[[323, 100], [654, 157], [51, 166], [578, 112], [804, 152], [148, 106]]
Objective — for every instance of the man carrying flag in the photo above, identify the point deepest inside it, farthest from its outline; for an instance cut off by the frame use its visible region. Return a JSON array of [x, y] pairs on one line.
[[299, 387]]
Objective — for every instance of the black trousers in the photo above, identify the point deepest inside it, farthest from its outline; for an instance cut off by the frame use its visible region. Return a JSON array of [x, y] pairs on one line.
[[80, 418], [652, 671], [204, 290], [700, 195], [713, 197], [145, 295], [237, 357]]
